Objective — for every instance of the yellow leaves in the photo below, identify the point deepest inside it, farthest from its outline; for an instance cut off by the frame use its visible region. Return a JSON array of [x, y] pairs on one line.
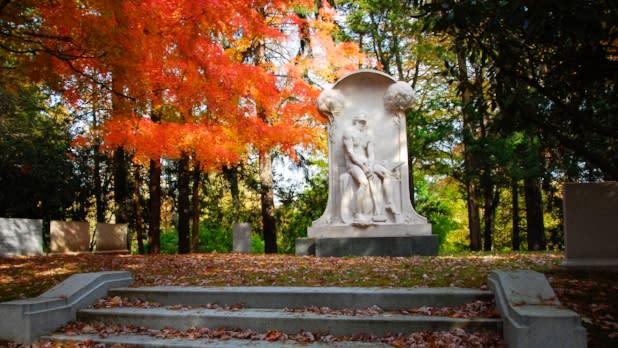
[[238, 48]]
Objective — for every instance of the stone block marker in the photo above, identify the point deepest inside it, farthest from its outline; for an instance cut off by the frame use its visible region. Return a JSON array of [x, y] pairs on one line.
[[111, 238], [241, 238], [69, 236], [24, 321], [591, 224], [21, 237], [531, 313]]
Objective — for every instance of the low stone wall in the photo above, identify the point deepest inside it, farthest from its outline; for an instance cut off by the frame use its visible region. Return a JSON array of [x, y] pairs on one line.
[[591, 224], [24, 321], [21, 237]]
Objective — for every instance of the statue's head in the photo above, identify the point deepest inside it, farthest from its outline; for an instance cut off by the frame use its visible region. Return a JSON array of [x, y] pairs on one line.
[[360, 120]]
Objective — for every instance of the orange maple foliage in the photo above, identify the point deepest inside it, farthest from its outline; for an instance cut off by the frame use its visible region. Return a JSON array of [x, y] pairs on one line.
[[185, 60]]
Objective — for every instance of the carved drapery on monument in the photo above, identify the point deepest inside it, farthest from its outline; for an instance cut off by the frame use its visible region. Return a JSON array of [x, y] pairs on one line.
[[368, 192]]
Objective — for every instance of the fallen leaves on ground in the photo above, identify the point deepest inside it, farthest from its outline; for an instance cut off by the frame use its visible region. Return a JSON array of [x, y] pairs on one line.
[[592, 294], [477, 309], [456, 338], [23, 277]]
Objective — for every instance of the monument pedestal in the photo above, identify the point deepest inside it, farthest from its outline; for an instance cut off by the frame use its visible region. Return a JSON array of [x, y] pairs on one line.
[[426, 245]]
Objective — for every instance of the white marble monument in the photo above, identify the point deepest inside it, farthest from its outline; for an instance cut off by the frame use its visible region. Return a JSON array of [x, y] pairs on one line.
[[368, 193]]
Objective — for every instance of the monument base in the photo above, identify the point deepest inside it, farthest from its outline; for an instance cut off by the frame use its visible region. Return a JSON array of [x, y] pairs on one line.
[[371, 230], [426, 245]]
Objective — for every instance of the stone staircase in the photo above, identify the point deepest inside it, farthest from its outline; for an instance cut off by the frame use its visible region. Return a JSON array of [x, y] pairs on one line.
[[342, 312]]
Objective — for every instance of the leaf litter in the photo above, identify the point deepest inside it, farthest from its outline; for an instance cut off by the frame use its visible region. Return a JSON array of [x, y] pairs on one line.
[[592, 294]]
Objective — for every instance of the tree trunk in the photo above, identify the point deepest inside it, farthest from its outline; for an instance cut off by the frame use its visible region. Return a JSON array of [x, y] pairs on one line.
[[98, 186], [120, 186], [268, 205], [231, 175], [515, 201], [195, 207], [120, 160], [474, 216], [184, 237], [470, 167], [97, 182], [534, 214], [137, 204], [490, 216], [154, 226], [487, 218], [266, 175]]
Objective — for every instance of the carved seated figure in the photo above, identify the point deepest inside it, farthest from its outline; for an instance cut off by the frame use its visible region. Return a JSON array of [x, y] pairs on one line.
[[366, 186]]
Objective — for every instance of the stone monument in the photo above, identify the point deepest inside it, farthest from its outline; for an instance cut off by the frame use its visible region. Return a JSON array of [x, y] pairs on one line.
[[111, 238], [591, 225], [241, 238], [368, 210], [69, 236], [21, 237]]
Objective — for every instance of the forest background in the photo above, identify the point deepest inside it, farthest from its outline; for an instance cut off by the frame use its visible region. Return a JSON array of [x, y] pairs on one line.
[[182, 118]]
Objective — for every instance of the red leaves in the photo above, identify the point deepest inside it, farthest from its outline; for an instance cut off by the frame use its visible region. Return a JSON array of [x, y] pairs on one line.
[[172, 54]]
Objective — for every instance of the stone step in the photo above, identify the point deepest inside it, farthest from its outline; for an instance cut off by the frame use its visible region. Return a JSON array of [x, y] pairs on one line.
[[262, 320], [299, 297], [148, 341]]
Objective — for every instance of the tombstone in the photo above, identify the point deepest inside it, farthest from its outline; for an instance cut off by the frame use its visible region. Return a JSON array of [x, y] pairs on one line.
[[241, 238], [111, 238], [591, 224], [21, 237], [69, 236], [368, 210]]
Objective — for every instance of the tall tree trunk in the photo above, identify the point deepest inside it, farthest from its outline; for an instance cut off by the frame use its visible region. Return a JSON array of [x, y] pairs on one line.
[[515, 239], [120, 185], [266, 174], [492, 198], [195, 207], [154, 208], [534, 214], [268, 205], [97, 182], [137, 205], [487, 218], [231, 175], [154, 189], [474, 216], [121, 172], [184, 237], [98, 186], [470, 167]]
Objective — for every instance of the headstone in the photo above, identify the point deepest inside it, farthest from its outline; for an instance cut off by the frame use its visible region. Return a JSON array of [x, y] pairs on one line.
[[21, 237], [241, 238], [368, 193], [69, 236], [591, 224], [111, 238]]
